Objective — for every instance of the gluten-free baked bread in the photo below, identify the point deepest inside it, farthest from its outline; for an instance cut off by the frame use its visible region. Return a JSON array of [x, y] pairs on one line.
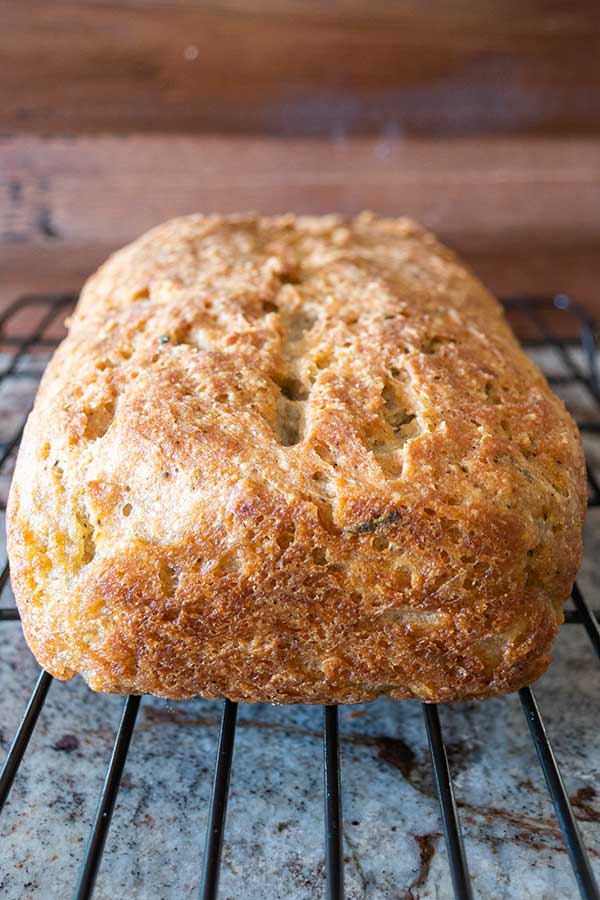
[[294, 460]]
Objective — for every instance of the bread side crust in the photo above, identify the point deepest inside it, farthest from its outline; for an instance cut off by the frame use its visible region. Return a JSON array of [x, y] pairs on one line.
[[294, 460]]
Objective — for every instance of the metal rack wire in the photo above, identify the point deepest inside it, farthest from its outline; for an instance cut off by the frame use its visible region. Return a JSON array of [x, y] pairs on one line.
[[25, 349]]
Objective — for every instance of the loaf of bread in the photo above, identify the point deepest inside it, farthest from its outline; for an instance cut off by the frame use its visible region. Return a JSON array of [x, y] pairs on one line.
[[294, 460]]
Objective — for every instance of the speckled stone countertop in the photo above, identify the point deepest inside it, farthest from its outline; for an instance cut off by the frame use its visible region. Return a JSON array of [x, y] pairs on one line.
[[274, 834]]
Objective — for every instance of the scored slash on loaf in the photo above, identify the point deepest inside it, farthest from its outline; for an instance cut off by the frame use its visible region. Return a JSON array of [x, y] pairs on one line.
[[294, 460]]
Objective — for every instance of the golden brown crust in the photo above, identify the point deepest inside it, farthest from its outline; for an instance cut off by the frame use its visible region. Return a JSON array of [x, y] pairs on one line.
[[294, 460]]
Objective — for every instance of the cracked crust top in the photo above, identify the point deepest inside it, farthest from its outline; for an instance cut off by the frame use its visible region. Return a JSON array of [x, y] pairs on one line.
[[294, 460]]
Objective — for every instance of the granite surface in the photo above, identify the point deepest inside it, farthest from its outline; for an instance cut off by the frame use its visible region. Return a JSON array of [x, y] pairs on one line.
[[274, 834]]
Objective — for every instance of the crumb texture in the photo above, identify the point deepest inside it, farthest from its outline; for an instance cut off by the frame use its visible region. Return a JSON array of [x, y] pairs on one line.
[[294, 460]]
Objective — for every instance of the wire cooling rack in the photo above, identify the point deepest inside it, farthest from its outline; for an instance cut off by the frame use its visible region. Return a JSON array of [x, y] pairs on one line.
[[29, 330]]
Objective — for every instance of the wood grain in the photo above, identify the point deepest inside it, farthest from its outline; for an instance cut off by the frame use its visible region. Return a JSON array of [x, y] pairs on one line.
[[524, 212], [294, 68]]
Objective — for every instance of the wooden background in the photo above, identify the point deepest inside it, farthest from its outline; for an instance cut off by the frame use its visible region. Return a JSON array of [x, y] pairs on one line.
[[480, 118]]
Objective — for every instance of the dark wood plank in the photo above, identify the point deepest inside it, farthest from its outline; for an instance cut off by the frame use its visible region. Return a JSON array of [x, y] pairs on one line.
[[484, 192], [293, 68], [523, 212]]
